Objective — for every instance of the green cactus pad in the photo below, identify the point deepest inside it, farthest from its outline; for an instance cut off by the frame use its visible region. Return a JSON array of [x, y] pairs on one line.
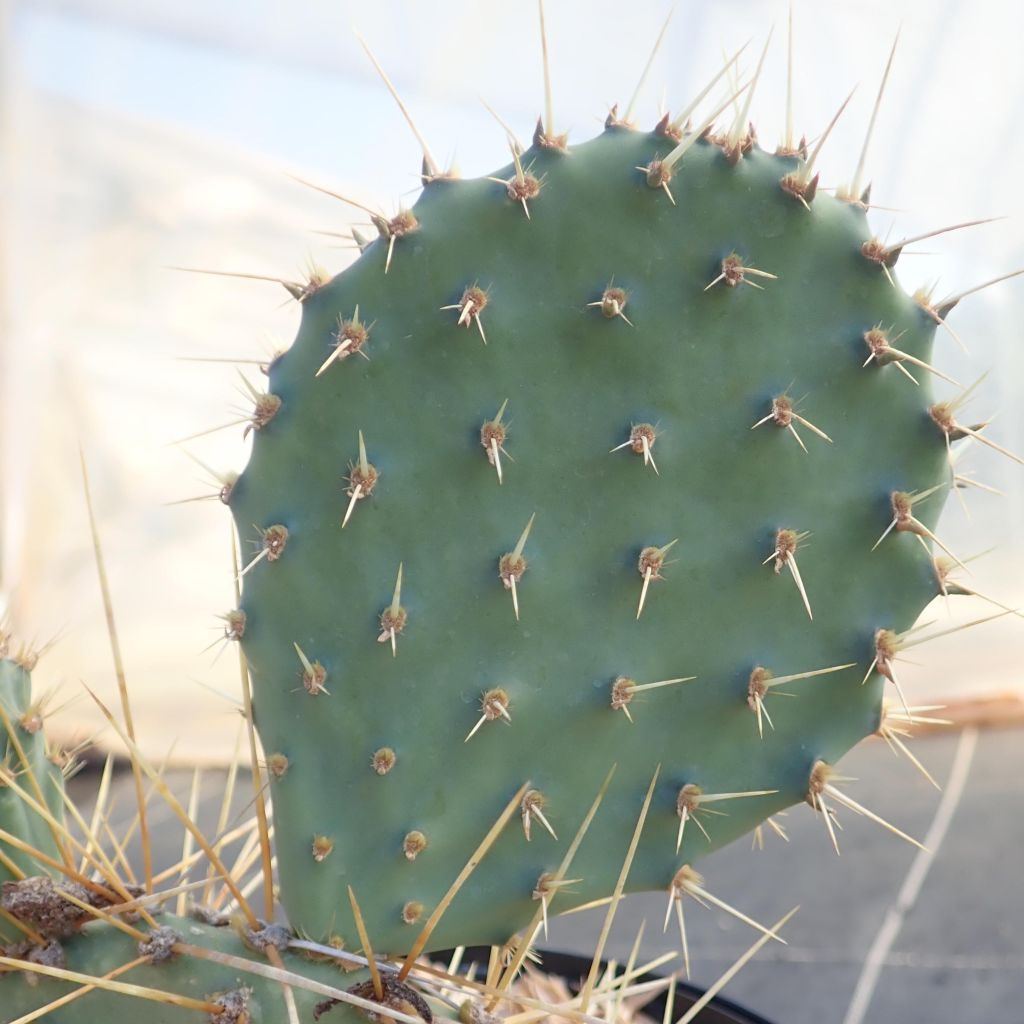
[[99, 949], [24, 755], [580, 365]]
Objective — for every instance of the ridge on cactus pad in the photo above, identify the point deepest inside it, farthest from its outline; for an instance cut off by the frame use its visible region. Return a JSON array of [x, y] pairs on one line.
[[741, 302]]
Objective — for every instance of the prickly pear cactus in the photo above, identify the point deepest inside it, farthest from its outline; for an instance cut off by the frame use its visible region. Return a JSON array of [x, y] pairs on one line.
[[206, 961], [563, 481], [28, 773], [535, 401]]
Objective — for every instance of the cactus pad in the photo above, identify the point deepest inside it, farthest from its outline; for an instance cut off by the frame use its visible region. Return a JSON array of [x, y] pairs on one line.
[[550, 437]]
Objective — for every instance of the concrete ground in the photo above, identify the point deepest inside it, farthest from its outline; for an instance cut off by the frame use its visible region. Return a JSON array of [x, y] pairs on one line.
[[958, 955]]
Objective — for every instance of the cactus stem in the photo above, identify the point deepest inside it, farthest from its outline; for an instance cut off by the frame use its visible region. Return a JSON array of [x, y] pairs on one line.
[[533, 807], [77, 993], [734, 273], [853, 192], [640, 441], [473, 302], [588, 986], [612, 303], [430, 166], [494, 704], [109, 985], [477, 856], [627, 117]]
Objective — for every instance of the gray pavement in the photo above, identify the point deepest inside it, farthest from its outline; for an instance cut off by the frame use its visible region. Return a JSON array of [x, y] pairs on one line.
[[958, 956]]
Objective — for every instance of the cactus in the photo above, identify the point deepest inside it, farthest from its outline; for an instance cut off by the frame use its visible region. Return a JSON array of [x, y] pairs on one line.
[[36, 771], [639, 430], [642, 565]]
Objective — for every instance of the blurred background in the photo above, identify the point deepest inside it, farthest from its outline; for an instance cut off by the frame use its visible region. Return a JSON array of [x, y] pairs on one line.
[[137, 135]]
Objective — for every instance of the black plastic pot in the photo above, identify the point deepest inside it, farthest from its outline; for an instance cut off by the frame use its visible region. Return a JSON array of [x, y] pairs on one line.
[[573, 969]]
